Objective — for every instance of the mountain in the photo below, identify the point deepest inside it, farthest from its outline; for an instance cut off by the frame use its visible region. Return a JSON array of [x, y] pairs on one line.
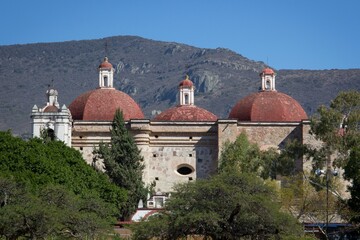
[[149, 71]]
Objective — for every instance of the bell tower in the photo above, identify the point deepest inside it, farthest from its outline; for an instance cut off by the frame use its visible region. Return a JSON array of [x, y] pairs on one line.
[[52, 120], [267, 80], [106, 74], [186, 93]]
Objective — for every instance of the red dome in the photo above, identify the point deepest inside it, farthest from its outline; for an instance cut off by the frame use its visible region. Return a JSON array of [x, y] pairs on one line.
[[106, 64], [267, 71], [186, 113], [101, 104], [269, 106], [51, 108], [186, 83]]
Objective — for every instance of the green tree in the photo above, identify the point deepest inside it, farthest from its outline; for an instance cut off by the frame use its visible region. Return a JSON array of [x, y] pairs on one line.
[[52, 212], [123, 163], [241, 155], [230, 205], [352, 171], [47, 189], [36, 164], [298, 197], [247, 157], [338, 127]]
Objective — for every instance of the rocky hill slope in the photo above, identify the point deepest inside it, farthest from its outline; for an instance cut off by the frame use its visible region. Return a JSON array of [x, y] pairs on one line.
[[149, 71]]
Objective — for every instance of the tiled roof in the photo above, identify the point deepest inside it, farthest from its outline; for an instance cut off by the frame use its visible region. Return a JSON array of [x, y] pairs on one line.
[[268, 106], [101, 104], [186, 83], [267, 71], [186, 113], [106, 64]]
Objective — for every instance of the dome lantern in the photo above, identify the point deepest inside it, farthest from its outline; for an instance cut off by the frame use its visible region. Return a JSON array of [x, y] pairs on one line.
[[186, 110], [106, 74], [268, 80], [186, 93], [52, 95]]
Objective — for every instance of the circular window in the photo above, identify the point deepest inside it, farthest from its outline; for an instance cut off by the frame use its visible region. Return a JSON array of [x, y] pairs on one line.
[[185, 169]]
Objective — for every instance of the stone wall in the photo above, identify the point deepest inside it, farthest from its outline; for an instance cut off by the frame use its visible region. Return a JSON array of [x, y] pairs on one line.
[[176, 152], [169, 148]]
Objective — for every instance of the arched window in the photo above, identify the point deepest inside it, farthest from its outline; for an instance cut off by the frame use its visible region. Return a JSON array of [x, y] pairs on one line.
[[48, 134], [186, 100], [106, 81], [267, 84]]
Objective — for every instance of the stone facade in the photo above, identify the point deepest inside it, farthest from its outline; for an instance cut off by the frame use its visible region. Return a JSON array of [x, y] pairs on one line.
[[176, 152], [165, 146]]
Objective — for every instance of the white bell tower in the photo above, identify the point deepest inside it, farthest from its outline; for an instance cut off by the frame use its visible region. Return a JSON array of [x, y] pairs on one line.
[[267, 80], [186, 93], [52, 119], [106, 74]]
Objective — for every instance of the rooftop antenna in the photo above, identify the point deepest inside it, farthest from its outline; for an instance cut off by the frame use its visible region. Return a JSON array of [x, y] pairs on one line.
[[187, 71], [106, 49]]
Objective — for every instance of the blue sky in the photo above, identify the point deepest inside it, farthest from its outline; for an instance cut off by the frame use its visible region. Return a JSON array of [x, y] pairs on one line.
[[286, 34]]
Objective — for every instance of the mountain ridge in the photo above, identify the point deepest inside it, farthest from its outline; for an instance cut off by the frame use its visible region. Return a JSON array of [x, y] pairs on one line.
[[149, 71]]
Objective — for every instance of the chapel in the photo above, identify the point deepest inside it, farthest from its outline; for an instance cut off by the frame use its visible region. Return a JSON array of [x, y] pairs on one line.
[[182, 143]]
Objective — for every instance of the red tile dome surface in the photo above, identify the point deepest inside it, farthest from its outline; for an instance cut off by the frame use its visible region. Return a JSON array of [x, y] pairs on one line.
[[186, 83], [267, 71], [186, 113], [106, 64], [101, 104], [269, 106], [51, 108]]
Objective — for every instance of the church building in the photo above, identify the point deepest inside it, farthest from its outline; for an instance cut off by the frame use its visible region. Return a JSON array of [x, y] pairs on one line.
[[182, 143]]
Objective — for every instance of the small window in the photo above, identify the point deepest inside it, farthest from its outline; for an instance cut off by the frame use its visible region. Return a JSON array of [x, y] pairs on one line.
[[190, 178], [185, 169], [267, 87], [186, 99], [81, 148], [190, 137], [80, 137], [156, 136], [190, 154], [154, 155], [157, 178]]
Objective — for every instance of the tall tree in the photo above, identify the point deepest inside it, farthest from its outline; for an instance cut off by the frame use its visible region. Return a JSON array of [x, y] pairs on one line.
[[338, 127], [230, 205], [123, 163]]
